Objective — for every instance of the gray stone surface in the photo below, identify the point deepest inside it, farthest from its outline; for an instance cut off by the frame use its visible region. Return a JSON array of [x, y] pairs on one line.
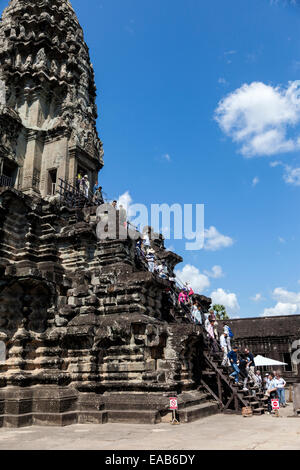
[[2, 93], [49, 121], [218, 432]]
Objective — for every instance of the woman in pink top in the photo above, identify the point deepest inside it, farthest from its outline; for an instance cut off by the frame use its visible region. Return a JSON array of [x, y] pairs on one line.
[[182, 298]]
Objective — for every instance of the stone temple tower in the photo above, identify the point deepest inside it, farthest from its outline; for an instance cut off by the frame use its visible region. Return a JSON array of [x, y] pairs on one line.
[[87, 333], [47, 98]]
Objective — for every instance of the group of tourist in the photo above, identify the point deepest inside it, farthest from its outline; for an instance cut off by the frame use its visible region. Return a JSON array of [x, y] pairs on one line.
[[83, 184], [154, 265], [243, 367], [242, 364], [274, 386], [185, 297]]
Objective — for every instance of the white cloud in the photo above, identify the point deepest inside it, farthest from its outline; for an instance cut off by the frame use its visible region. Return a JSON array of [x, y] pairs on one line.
[[125, 200], [228, 299], [283, 2], [255, 181], [281, 309], [281, 240], [216, 272], [274, 164], [215, 240], [292, 175], [284, 295], [200, 282], [257, 298], [257, 117], [288, 303], [167, 157]]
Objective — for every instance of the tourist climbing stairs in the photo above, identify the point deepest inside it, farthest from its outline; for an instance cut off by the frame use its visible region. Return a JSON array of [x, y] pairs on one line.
[[230, 397]]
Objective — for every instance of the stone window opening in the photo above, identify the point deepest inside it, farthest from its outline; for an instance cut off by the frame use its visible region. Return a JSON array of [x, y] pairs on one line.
[[8, 172], [287, 358], [52, 181]]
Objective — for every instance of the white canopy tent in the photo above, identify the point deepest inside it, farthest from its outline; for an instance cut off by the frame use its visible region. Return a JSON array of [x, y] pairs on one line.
[[261, 361]]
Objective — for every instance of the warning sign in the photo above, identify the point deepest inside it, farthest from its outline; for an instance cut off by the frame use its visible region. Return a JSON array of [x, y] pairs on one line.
[[275, 404], [173, 404]]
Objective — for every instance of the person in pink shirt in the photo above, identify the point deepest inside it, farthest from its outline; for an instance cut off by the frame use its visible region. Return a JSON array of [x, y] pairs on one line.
[[182, 298]]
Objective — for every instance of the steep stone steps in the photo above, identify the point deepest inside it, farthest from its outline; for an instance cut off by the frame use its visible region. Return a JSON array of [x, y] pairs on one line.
[[133, 416], [192, 413]]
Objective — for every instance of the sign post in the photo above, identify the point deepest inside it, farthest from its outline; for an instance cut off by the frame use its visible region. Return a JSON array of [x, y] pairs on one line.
[[275, 406], [174, 408]]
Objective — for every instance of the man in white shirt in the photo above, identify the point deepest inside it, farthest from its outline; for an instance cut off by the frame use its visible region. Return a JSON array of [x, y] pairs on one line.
[[280, 384], [225, 349], [271, 392]]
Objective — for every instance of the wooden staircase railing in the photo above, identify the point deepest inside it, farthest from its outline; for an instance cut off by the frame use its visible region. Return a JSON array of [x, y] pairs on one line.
[[230, 397]]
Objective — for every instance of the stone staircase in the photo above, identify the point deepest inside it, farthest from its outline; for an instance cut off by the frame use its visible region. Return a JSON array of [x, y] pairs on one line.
[[133, 408]]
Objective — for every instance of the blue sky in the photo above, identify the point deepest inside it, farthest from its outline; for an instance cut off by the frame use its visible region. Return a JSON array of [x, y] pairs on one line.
[[161, 69], [198, 103]]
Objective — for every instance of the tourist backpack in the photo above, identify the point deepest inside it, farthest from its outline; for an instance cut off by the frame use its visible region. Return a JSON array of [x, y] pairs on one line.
[[231, 335]]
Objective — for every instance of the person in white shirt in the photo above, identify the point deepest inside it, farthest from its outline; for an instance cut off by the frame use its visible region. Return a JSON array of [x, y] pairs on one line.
[[258, 379], [224, 347], [280, 384], [162, 270], [196, 314], [228, 339], [146, 242], [271, 392], [210, 328], [150, 258], [86, 185]]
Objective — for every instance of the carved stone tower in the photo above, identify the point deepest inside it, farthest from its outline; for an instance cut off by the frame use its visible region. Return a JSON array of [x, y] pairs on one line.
[[47, 98], [88, 333]]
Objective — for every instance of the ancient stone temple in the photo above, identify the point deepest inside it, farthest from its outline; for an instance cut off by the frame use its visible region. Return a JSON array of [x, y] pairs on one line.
[[89, 334], [47, 98]]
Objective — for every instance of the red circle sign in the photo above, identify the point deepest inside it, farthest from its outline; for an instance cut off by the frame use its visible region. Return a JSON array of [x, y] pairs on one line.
[[173, 404], [275, 405]]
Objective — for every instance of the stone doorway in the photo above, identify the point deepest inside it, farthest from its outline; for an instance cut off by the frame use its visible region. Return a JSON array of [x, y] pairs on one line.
[[52, 182]]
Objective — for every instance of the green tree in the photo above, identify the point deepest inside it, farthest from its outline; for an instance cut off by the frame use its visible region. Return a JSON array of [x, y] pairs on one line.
[[220, 312]]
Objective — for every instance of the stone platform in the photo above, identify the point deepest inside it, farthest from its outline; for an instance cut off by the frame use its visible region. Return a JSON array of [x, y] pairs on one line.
[[217, 432]]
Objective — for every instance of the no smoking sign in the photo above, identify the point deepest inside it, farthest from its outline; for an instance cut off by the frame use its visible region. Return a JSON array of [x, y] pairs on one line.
[[173, 404]]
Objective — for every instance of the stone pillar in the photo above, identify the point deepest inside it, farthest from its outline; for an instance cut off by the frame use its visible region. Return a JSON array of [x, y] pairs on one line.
[[32, 162], [72, 168]]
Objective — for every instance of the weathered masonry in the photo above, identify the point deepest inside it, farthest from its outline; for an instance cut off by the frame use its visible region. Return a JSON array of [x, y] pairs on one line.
[[47, 98], [87, 335]]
